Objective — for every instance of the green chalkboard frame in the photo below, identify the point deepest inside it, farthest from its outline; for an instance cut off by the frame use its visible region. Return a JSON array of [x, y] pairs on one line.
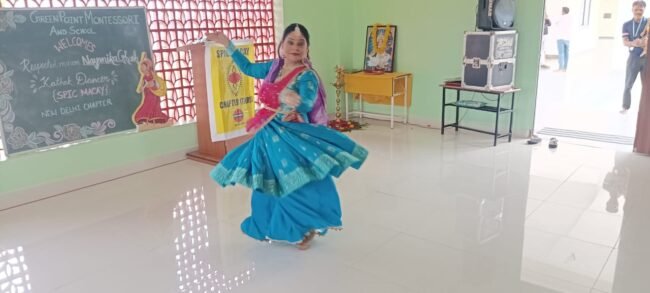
[[60, 135]]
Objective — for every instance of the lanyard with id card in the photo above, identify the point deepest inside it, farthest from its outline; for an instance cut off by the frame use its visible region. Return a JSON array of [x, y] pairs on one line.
[[636, 31]]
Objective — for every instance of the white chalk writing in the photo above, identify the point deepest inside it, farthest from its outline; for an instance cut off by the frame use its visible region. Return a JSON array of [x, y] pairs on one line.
[[122, 57], [87, 106], [74, 42], [71, 94], [29, 67], [48, 17]]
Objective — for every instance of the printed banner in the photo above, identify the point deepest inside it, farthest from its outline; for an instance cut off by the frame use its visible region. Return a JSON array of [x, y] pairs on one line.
[[231, 94]]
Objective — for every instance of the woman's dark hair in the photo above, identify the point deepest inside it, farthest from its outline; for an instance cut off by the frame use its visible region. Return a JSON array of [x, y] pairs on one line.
[[292, 27]]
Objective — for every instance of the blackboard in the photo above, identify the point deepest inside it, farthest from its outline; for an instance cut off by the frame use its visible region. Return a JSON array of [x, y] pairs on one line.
[[68, 74]]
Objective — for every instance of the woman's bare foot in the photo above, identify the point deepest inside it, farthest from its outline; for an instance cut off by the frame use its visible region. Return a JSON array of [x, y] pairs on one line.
[[304, 245]]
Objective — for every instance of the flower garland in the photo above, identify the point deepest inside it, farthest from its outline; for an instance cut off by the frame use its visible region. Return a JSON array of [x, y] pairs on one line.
[[380, 48]]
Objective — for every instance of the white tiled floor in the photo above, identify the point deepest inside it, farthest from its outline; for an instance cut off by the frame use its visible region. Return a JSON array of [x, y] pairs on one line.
[[427, 213]]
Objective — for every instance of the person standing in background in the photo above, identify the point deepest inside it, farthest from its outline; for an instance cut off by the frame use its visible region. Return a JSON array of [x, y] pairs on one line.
[[564, 26], [632, 31], [547, 23]]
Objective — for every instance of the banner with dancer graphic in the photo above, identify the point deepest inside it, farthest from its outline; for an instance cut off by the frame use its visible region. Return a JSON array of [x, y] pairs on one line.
[[231, 94]]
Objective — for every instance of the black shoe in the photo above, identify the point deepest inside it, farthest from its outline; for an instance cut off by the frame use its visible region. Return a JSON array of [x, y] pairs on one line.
[[534, 139]]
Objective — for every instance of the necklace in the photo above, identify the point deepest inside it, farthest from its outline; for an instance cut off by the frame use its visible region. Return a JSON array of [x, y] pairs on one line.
[[285, 69]]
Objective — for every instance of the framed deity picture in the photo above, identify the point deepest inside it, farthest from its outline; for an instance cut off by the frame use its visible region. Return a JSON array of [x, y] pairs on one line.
[[380, 48]]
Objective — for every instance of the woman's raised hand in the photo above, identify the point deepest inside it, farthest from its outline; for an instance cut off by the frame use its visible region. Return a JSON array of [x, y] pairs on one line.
[[219, 38]]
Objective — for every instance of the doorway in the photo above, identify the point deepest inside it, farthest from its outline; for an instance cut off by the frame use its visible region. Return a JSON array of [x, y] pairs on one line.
[[583, 103]]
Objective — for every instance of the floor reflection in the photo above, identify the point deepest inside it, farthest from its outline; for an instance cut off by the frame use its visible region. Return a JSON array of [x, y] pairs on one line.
[[632, 254], [196, 273], [14, 275]]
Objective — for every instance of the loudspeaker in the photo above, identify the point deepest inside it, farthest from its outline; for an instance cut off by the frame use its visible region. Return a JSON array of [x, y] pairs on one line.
[[495, 14]]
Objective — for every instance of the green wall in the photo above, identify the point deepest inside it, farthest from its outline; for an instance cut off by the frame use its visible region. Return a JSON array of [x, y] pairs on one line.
[[430, 45], [33, 169]]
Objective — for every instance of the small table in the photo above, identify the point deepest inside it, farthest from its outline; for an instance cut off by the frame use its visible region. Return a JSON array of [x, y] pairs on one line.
[[498, 110], [386, 88]]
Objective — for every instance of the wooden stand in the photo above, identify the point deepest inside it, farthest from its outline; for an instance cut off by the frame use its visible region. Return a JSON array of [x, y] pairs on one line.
[[209, 152]]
